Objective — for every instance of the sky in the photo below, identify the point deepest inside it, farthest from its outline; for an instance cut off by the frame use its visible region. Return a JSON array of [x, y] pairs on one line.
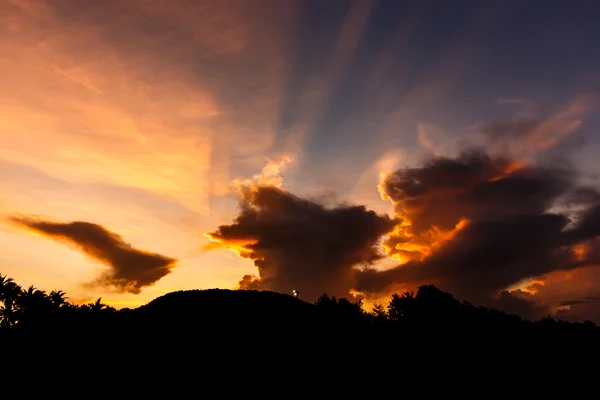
[[357, 148]]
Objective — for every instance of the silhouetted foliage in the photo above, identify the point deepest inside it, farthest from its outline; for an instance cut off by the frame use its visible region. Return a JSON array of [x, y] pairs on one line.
[[33, 316]]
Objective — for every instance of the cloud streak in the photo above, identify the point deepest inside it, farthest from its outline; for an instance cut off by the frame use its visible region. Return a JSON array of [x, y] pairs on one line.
[[131, 269], [528, 132]]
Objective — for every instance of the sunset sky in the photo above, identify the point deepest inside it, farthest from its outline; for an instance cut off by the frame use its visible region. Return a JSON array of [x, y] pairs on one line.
[[132, 131]]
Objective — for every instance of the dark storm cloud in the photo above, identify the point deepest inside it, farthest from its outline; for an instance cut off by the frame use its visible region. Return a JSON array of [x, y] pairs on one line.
[[130, 269], [484, 257], [299, 244], [512, 232], [475, 186]]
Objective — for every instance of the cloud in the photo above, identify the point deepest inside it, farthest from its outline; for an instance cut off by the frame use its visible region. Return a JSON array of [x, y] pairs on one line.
[[476, 224], [424, 135], [529, 131], [571, 302], [249, 282], [270, 175], [519, 303], [299, 244], [137, 112], [31, 188], [191, 87], [130, 269], [570, 295]]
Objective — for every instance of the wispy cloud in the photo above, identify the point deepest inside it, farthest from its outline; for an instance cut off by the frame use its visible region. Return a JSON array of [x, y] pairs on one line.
[[136, 94], [529, 132]]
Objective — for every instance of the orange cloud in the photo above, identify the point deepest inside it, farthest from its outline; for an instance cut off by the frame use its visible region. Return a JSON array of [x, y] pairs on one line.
[[403, 245], [429, 220], [478, 224], [270, 175], [133, 93], [570, 295]]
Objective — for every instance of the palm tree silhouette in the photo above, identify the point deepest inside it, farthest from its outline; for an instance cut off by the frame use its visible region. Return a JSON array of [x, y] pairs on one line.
[[8, 288], [34, 306], [4, 282], [9, 294], [58, 299], [97, 306]]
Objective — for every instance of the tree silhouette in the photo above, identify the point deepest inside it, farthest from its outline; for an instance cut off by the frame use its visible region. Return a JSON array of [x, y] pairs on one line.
[[9, 294], [379, 313], [58, 299], [34, 307], [402, 307]]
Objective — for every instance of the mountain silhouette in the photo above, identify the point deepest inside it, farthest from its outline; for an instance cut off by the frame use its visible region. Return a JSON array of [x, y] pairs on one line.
[[206, 300]]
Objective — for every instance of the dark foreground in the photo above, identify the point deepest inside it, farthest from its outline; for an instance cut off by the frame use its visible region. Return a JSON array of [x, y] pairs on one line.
[[212, 321]]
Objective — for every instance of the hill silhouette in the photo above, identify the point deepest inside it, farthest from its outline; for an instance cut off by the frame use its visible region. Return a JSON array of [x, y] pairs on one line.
[[205, 301], [214, 311]]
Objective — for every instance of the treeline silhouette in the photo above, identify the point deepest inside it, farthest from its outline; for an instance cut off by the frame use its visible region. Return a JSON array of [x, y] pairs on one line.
[[31, 316]]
